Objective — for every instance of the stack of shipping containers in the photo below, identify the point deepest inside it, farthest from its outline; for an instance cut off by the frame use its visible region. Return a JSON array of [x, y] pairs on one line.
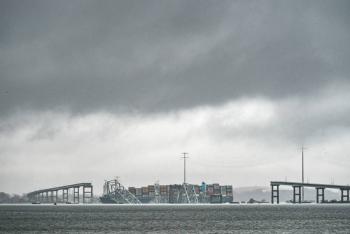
[[207, 193], [132, 190], [151, 191], [215, 196], [164, 193], [229, 194], [174, 192]]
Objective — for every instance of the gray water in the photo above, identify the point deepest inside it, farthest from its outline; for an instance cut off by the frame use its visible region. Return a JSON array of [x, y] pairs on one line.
[[175, 219]]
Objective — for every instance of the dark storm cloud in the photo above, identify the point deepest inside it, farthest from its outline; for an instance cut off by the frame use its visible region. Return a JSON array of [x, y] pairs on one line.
[[162, 55]]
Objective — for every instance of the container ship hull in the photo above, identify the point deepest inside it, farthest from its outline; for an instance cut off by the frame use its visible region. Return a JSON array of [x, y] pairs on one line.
[[115, 193]]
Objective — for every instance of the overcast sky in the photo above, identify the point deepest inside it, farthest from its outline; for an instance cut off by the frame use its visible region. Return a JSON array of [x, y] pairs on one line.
[[90, 90]]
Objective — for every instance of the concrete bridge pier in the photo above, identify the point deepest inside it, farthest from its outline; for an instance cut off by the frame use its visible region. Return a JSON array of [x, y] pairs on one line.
[[47, 197], [320, 193], [37, 197], [65, 195], [344, 195], [51, 197], [76, 194], [296, 193], [56, 196], [87, 194], [275, 193]]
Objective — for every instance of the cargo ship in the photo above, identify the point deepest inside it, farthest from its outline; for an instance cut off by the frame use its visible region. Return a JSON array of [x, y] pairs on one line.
[[115, 192]]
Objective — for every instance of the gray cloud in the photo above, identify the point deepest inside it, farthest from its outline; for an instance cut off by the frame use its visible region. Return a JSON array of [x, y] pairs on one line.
[[248, 82], [255, 136], [155, 55]]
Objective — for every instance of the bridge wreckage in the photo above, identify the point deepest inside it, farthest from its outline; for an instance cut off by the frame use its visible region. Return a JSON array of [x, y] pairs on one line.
[[115, 192]]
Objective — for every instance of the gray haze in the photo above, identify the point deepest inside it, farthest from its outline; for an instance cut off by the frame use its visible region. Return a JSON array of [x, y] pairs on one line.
[[94, 89]]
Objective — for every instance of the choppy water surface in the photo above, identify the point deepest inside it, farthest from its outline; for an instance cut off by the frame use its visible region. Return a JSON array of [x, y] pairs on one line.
[[175, 219]]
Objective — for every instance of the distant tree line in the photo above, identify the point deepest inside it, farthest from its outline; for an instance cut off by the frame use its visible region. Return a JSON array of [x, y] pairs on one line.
[[13, 198]]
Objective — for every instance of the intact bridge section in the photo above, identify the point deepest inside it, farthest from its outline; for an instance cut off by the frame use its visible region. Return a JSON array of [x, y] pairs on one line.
[[297, 188], [63, 194]]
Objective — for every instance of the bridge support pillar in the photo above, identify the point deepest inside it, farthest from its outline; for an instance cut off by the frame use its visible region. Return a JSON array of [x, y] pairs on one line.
[[319, 193], [76, 194], [65, 195], [87, 194], [47, 197], [51, 196], [296, 193], [344, 194], [275, 193]]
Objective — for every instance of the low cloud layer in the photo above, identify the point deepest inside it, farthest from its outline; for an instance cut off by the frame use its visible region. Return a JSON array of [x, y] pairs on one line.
[[255, 136]]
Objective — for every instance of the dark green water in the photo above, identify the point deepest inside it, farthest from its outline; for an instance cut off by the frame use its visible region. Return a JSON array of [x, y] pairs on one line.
[[175, 219]]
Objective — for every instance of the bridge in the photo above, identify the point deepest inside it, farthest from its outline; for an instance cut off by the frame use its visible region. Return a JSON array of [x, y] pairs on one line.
[[320, 188], [115, 192], [64, 194]]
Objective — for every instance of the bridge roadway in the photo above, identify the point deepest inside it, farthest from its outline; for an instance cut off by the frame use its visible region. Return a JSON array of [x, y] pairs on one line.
[[344, 189], [43, 196]]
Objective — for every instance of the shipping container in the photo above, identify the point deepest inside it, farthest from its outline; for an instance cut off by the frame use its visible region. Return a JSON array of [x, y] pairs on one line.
[[229, 190], [196, 189], [132, 190], [151, 194], [144, 191], [174, 191], [138, 192], [164, 188], [216, 186], [215, 199], [223, 190], [151, 188], [217, 191]]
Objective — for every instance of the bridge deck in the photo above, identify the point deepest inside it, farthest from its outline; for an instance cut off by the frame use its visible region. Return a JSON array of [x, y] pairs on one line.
[[346, 187], [60, 188]]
